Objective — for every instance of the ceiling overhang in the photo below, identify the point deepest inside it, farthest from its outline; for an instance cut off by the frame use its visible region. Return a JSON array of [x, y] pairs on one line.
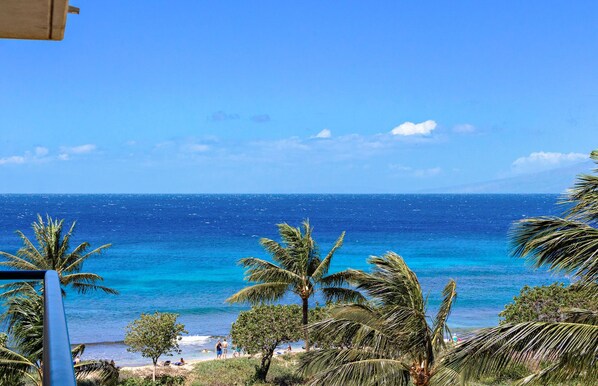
[[34, 19]]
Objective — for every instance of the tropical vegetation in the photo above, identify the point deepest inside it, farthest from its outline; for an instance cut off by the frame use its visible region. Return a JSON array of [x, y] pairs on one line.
[[241, 371], [52, 251], [264, 328], [23, 303], [297, 268], [548, 303], [154, 335], [388, 340], [555, 351]]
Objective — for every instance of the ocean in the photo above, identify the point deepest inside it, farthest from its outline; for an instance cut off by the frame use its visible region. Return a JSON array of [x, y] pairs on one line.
[[178, 253]]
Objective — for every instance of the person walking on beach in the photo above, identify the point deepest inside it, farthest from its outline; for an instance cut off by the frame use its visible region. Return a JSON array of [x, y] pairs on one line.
[[224, 348], [218, 349]]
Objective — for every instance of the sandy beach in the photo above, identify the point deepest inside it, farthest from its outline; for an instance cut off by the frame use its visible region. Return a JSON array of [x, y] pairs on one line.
[[146, 370]]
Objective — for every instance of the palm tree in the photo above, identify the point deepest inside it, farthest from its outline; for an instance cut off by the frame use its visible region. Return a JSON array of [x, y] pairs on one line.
[[566, 244], [52, 253], [387, 341], [300, 270], [24, 317]]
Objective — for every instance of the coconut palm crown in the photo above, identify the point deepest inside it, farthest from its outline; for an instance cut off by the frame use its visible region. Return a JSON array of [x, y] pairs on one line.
[[559, 352], [387, 341], [23, 360], [297, 268], [53, 252]]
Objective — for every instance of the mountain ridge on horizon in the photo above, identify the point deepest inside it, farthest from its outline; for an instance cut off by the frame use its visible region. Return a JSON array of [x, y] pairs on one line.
[[553, 181]]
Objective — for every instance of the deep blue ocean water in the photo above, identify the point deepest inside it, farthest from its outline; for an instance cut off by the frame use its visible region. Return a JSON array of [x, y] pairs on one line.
[[178, 253]]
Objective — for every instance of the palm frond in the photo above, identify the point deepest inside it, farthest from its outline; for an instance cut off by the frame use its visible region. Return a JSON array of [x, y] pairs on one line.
[[84, 288], [14, 366], [353, 367], [584, 195], [577, 315], [322, 268], [279, 254], [75, 260], [491, 350], [440, 328], [563, 245], [78, 350], [52, 253], [385, 341], [101, 371], [361, 326], [340, 278], [260, 293], [273, 275], [11, 290], [17, 262], [258, 270], [342, 295], [29, 250], [559, 372], [392, 282], [443, 376]]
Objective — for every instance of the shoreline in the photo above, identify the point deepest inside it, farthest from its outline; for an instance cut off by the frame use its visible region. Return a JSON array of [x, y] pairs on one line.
[[147, 370], [192, 350]]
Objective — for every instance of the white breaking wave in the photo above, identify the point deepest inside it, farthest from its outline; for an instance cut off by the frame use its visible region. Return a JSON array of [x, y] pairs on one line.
[[194, 340]]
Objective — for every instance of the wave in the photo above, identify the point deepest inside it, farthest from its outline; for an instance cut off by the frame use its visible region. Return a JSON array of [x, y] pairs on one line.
[[107, 343], [195, 339], [185, 340]]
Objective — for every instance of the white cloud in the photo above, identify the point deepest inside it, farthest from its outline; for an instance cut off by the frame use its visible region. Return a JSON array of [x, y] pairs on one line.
[[197, 148], [38, 154], [410, 128], [15, 159], [66, 152], [464, 128], [41, 151], [81, 149], [546, 160], [414, 172], [323, 134]]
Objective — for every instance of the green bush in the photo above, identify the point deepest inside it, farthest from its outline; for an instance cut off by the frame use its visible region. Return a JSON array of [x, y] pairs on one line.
[[163, 380], [241, 371], [546, 303]]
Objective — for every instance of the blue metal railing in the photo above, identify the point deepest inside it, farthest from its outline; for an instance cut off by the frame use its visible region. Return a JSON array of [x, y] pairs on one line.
[[57, 358]]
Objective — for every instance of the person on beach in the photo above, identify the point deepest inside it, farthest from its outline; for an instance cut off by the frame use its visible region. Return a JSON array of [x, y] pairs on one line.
[[219, 350], [224, 348], [180, 363]]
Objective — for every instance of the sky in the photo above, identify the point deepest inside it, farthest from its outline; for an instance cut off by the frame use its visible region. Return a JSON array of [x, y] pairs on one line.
[[302, 97]]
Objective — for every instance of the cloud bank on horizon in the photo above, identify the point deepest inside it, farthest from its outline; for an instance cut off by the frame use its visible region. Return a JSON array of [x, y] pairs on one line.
[[357, 150]]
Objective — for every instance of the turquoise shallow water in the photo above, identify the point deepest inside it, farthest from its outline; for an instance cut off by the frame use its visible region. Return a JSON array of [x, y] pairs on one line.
[[177, 253]]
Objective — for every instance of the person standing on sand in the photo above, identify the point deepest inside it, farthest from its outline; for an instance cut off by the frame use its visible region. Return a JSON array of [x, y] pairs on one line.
[[224, 348], [218, 349]]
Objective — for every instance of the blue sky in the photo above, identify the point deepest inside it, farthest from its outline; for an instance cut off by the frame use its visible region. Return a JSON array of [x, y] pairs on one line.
[[300, 97]]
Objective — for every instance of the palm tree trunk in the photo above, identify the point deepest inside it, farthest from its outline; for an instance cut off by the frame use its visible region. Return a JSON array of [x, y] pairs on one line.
[[305, 321], [419, 375]]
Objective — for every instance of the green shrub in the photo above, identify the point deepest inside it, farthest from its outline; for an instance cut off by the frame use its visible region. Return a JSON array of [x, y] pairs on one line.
[[163, 380], [546, 303], [241, 371]]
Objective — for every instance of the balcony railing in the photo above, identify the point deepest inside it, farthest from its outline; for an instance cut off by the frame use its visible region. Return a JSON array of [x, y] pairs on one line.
[[57, 358]]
